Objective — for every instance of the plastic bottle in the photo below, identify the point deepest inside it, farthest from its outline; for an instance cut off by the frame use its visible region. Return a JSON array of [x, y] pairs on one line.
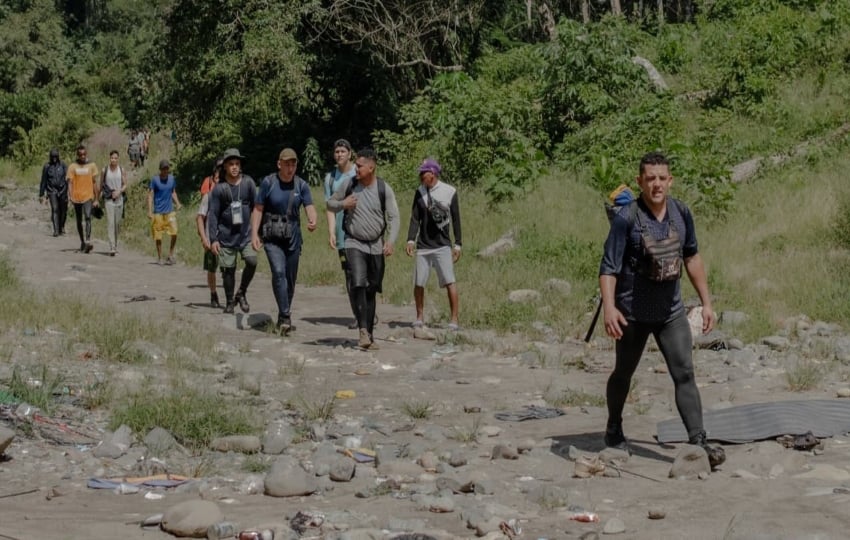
[[221, 530], [265, 534]]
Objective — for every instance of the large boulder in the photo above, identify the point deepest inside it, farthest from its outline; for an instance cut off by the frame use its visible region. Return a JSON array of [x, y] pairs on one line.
[[191, 519]]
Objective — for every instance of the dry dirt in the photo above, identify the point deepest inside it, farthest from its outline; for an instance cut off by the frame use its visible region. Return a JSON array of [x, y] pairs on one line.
[[487, 371]]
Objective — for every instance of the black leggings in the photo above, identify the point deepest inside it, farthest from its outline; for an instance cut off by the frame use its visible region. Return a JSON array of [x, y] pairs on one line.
[[58, 211], [81, 211], [228, 278], [674, 340]]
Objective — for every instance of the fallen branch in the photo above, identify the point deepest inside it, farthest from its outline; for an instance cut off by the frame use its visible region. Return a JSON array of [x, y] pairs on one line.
[[6, 496]]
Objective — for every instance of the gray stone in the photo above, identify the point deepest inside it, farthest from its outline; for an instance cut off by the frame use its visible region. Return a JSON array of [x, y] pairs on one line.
[[574, 453], [504, 244], [287, 479], [108, 450], [246, 444], [440, 504], [549, 496], [501, 451], [457, 458], [559, 286], [6, 436], [317, 432], [841, 349], [144, 352], [483, 486], [523, 296], [342, 470], [490, 431], [525, 446], [191, 519], [159, 440], [396, 524], [690, 462], [733, 318], [614, 526], [277, 437], [428, 461], [843, 392], [114, 445], [776, 343]]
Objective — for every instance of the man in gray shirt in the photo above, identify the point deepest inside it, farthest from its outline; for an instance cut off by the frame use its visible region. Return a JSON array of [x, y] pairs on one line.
[[370, 206]]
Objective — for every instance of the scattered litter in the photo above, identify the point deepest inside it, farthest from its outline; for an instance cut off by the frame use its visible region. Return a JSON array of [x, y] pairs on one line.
[[387, 367], [345, 394], [585, 517], [804, 442], [126, 489], [529, 412], [360, 455], [151, 521], [151, 496], [306, 520], [157, 480], [510, 528], [139, 298]]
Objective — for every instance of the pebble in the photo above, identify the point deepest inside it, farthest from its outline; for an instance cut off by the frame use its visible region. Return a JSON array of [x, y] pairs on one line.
[[843, 392], [656, 513], [614, 526], [501, 451]]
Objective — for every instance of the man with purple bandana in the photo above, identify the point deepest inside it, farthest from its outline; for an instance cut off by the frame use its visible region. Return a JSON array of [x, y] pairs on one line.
[[435, 214]]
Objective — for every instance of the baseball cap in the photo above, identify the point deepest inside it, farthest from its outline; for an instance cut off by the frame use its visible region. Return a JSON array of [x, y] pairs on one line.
[[344, 143], [164, 164], [287, 154], [430, 165]]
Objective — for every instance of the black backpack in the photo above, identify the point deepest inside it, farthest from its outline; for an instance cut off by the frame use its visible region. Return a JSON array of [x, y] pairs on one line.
[[382, 195]]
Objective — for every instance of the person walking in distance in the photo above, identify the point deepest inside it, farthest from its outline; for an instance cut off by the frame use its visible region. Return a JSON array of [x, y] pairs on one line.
[[435, 214], [54, 189], [276, 226], [113, 184], [342, 173], [649, 242], [229, 227], [162, 201], [210, 259], [84, 194], [370, 205]]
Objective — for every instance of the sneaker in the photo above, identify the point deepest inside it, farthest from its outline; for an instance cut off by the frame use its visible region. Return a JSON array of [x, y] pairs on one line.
[[89, 247], [353, 325], [365, 339], [214, 300], [284, 326], [159, 262], [169, 261], [243, 302], [453, 327], [230, 307], [82, 247], [615, 438], [112, 252], [374, 346], [716, 454], [55, 234]]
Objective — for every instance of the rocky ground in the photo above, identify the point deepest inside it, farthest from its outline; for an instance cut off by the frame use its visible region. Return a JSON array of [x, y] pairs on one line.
[[460, 472]]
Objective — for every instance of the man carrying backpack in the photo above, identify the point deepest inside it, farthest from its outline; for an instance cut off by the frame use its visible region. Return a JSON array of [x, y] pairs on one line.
[[649, 242], [370, 206], [435, 211], [54, 188]]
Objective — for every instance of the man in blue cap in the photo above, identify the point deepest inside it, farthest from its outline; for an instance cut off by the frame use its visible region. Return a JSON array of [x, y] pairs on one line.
[[434, 216]]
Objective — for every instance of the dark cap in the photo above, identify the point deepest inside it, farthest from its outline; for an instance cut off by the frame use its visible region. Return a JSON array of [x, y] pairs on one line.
[[164, 164], [231, 153], [430, 165], [54, 152], [344, 143]]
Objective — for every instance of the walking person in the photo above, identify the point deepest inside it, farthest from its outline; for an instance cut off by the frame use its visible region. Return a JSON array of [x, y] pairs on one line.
[[649, 242], [162, 201], [113, 184], [54, 189], [370, 205], [342, 173], [84, 193], [435, 211], [210, 259], [276, 226], [229, 226]]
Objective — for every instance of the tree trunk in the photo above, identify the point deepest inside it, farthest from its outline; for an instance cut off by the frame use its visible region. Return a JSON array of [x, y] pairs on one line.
[[616, 9], [660, 12], [585, 11]]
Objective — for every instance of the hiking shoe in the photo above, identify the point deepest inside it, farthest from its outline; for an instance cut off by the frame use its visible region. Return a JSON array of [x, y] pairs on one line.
[[453, 327], [243, 302], [230, 307], [89, 247], [284, 325], [214, 300], [615, 438], [365, 339], [421, 332], [716, 454], [82, 247], [169, 261], [159, 262]]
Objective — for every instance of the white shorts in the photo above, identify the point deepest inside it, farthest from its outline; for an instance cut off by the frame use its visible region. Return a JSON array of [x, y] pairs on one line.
[[439, 259]]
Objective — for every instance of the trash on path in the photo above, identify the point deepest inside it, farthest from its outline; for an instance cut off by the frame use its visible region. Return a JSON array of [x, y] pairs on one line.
[[158, 480], [345, 394], [529, 412]]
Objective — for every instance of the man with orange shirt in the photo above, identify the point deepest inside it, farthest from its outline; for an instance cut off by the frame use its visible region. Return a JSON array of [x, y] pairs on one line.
[[83, 192]]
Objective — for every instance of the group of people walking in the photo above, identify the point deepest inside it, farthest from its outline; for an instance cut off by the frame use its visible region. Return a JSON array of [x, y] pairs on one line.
[[651, 240]]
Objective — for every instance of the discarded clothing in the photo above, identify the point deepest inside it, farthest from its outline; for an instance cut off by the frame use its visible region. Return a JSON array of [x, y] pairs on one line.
[[760, 421], [155, 481], [529, 412]]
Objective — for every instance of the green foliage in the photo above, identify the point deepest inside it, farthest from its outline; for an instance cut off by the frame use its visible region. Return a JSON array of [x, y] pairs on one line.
[[312, 162], [589, 74], [36, 387], [194, 417], [841, 231]]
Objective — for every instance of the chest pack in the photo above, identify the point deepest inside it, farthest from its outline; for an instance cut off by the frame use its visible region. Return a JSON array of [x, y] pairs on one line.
[[279, 227], [438, 212], [657, 260], [382, 195]]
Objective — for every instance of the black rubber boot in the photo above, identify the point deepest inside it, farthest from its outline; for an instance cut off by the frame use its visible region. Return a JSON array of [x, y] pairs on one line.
[[716, 454]]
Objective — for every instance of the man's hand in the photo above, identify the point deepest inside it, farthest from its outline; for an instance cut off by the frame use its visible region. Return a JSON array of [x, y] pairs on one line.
[[115, 194], [205, 243], [388, 249], [311, 225], [456, 254], [332, 240], [350, 202], [708, 319], [410, 248], [150, 215], [215, 248], [256, 243], [43, 199], [614, 323]]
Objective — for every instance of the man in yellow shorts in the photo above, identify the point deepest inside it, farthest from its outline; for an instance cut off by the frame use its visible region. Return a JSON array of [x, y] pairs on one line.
[[162, 200]]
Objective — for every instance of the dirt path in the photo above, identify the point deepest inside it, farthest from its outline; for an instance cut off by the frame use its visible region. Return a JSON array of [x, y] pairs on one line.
[[487, 372]]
